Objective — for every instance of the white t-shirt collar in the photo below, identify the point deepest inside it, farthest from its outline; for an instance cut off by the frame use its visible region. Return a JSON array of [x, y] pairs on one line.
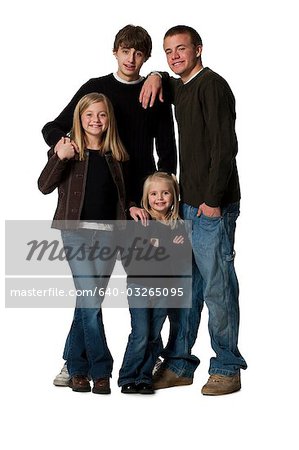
[[121, 80], [193, 76]]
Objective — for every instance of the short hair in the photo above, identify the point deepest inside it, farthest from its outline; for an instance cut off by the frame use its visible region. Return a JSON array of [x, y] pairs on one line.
[[170, 179], [134, 37], [184, 29], [111, 139]]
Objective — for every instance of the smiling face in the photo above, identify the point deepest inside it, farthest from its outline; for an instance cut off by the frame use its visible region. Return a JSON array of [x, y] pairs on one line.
[[182, 55], [129, 62], [160, 198], [95, 122]]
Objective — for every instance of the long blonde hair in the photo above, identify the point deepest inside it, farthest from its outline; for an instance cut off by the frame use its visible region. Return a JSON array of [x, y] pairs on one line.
[[173, 214], [111, 140]]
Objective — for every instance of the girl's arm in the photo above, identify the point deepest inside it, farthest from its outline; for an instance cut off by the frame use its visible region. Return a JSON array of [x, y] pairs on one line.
[[54, 170]]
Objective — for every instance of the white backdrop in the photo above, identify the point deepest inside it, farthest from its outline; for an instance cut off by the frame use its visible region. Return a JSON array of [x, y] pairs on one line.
[[49, 49]]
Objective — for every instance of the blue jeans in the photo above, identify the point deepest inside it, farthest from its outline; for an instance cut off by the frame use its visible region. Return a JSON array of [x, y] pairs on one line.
[[145, 342], [86, 349], [215, 283]]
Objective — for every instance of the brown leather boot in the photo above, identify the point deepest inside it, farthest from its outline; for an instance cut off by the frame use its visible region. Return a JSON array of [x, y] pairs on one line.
[[165, 378], [101, 386], [79, 383], [221, 384]]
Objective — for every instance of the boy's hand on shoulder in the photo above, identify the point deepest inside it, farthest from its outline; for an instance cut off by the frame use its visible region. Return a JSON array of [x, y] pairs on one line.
[[150, 89], [65, 148]]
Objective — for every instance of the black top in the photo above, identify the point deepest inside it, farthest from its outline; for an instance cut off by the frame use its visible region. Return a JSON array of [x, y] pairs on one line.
[[138, 128], [205, 113], [100, 198]]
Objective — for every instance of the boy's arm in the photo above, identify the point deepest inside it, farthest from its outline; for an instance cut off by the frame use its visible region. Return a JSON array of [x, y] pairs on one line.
[[218, 106], [51, 174], [54, 170], [61, 126], [164, 133], [152, 88]]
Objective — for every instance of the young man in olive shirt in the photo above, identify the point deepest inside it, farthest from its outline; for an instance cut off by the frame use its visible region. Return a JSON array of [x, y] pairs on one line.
[[210, 195]]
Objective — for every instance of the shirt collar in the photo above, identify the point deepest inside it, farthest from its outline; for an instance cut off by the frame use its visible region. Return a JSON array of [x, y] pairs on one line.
[[193, 76], [118, 78]]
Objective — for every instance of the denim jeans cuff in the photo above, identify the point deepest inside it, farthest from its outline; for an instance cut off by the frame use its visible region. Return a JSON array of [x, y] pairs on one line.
[[144, 380], [180, 372], [94, 378], [225, 372]]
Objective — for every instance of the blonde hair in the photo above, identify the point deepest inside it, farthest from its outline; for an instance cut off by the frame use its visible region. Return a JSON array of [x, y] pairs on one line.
[[110, 139], [173, 214]]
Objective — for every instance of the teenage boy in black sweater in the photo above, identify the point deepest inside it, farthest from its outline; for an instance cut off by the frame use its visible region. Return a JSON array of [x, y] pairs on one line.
[[139, 129]]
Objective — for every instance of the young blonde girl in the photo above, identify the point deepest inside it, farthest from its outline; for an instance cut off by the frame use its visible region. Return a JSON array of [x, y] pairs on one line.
[[87, 169], [146, 281]]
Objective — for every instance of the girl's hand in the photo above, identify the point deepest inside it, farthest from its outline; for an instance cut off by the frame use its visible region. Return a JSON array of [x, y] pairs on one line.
[[139, 214], [65, 148], [178, 239]]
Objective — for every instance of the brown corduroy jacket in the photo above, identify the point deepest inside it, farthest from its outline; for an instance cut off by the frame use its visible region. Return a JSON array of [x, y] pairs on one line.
[[70, 178]]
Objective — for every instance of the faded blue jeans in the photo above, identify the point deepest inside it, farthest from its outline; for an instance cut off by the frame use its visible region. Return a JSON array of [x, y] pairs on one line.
[[86, 349], [214, 282]]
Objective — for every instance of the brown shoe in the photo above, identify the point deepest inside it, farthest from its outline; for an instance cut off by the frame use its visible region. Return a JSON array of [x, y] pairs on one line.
[[165, 378], [79, 383], [101, 386], [221, 384]]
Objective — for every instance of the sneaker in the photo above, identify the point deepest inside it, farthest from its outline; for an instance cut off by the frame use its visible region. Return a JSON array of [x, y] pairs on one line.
[[159, 362], [221, 384], [63, 378], [165, 378]]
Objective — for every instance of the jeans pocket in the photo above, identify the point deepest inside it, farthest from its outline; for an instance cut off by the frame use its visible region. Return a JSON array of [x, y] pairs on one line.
[[208, 224], [207, 233], [210, 218]]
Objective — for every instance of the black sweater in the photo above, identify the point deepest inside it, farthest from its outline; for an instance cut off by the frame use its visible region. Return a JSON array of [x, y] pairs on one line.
[[138, 128], [205, 113]]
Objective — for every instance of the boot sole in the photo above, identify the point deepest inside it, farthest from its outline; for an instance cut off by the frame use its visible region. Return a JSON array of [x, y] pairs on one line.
[[221, 393], [61, 383], [80, 389], [172, 385], [95, 391]]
